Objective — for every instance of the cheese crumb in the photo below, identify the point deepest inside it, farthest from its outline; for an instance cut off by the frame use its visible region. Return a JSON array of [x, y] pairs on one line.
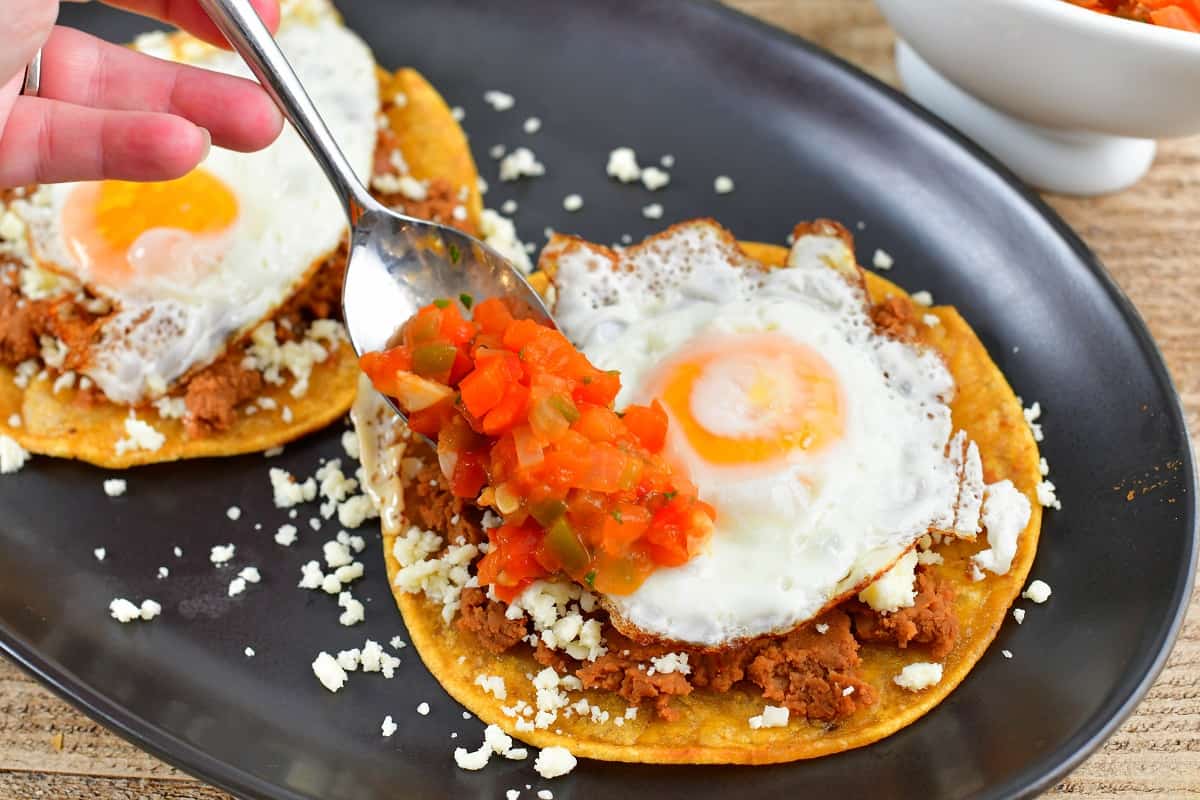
[[423, 709], [822, 628], [532, 125], [115, 487], [883, 260], [1005, 514], [1019, 615], [124, 611], [501, 235], [896, 588], [622, 165], [250, 574], [458, 113], [723, 184], [163, 573], [237, 586], [388, 727], [234, 513], [141, 436], [286, 535], [287, 491], [100, 553], [1032, 414], [654, 178], [572, 202], [329, 672], [473, 760], [221, 553], [669, 663], [520, 163], [1006, 653], [499, 101], [12, 455], [653, 211], [918, 676], [771, 717], [1038, 592], [545, 794], [553, 762], [1047, 497], [249, 652], [493, 685], [922, 298], [355, 611]]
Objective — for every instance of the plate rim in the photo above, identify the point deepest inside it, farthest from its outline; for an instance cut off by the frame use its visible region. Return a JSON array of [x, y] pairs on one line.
[[1031, 781]]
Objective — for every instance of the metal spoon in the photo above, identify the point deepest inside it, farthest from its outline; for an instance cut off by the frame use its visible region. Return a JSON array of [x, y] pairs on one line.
[[397, 263]]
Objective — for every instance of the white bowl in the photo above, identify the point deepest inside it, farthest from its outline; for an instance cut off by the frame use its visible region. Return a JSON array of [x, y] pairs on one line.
[[1070, 99]]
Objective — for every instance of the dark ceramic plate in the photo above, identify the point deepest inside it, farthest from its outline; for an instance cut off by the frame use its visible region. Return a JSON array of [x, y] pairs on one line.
[[803, 135]]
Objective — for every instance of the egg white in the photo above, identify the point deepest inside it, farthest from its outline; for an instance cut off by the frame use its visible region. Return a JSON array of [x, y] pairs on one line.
[[288, 220], [789, 536]]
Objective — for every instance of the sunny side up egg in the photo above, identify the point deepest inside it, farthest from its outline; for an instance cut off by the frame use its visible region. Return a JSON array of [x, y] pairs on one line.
[[191, 263], [821, 443]]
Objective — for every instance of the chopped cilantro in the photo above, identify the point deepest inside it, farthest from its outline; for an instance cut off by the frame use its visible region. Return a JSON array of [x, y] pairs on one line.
[[441, 303], [616, 514], [455, 255], [591, 578], [466, 300]]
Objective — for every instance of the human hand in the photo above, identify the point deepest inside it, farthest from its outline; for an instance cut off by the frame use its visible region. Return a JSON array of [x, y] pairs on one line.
[[105, 111]]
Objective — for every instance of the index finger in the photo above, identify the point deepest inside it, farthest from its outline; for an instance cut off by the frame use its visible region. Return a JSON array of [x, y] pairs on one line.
[[188, 15]]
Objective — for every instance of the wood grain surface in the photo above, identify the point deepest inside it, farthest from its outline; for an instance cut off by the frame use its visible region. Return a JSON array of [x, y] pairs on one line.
[[1149, 237]]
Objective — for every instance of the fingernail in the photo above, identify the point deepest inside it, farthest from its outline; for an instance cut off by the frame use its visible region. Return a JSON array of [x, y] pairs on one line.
[[207, 143]]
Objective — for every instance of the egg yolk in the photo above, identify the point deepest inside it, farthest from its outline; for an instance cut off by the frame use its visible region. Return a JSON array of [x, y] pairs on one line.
[[751, 398], [103, 221]]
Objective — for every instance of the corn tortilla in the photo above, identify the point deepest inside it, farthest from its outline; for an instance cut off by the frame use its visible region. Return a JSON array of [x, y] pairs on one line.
[[711, 727], [434, 146]]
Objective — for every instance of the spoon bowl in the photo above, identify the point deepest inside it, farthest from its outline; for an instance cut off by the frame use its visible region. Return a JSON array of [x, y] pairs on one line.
[[397, 263]]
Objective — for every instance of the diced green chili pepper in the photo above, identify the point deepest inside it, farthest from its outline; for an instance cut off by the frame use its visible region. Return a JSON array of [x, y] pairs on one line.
[[563, 405], [442, 302], [434, 360], [547, 512], [566, 546]]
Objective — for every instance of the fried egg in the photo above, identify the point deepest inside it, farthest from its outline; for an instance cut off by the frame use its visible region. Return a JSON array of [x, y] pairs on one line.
[[821, 442], [189, 264]]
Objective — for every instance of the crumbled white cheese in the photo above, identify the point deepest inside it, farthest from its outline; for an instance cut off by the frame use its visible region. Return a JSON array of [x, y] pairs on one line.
[[918, 676], [397, 643], [356, 510], [667, 161], [458, 113], [348, 659], [237, 586], [286, 535], [497, 151], [572, 202], [336, 554], [653, 211], [473, 759], [63, 382], [931, 320], [115, 487], [545, 794], [671, 662], [287, 491], [388, 727], [520, 163], [622, 165], [922, 298], [499, 101], [250, 575], [221, 553], [896, 588], [349, 573], [234, 513], [1038, 592], [1019, 615], [493, 685], [100, 553], [297, 356], [1005, 514], [549, 602], [883, 260], [553, 762], [311, 576], [249, 652], [122, 610], [771, 717], [178, 551], [822, 628], [723, 184], [654, 178], [329, 672], [439, 579], [1047, 497], [929, 557], [509, 207], [354, 612], [1032, 415], [331, 585], [272, 452], [163, 573], [532, 125], [1006, 653], [141, 436], [423, 709], [501, 235]]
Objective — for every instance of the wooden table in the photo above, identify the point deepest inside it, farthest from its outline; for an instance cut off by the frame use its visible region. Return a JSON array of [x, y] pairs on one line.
[[1148, 236]]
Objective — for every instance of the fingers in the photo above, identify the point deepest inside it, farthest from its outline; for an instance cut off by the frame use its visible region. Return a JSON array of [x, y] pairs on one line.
[[188, 15], [83, 70], [49, 141], [24, 25]]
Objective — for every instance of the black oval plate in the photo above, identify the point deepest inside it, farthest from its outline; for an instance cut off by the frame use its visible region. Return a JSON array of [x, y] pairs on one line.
[[803, 135]]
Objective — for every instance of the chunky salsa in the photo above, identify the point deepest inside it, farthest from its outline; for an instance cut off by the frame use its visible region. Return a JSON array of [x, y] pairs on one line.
[[1181, 14], [524, 423]]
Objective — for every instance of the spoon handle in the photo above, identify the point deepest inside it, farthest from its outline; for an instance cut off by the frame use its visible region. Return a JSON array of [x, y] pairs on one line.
[[248, 35]]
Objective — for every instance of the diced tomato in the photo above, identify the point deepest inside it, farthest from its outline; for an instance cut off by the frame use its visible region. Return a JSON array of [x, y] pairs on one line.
[[648, 424], [600, 388], [668, 546], [484, 387], [625, 524], [382, 367], [454, 328], [520, 333], [598, 424], [430, 421], [511, 562], [469, 475], [508, 412], [492, 316], [424, 327], [1175, 17]]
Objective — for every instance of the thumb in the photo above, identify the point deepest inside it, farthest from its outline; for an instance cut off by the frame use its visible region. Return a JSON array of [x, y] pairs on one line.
[[24, 27]]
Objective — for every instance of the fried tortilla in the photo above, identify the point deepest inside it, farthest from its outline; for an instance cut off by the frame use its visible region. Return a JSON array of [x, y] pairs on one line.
[[711, 727], [85, 425]]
